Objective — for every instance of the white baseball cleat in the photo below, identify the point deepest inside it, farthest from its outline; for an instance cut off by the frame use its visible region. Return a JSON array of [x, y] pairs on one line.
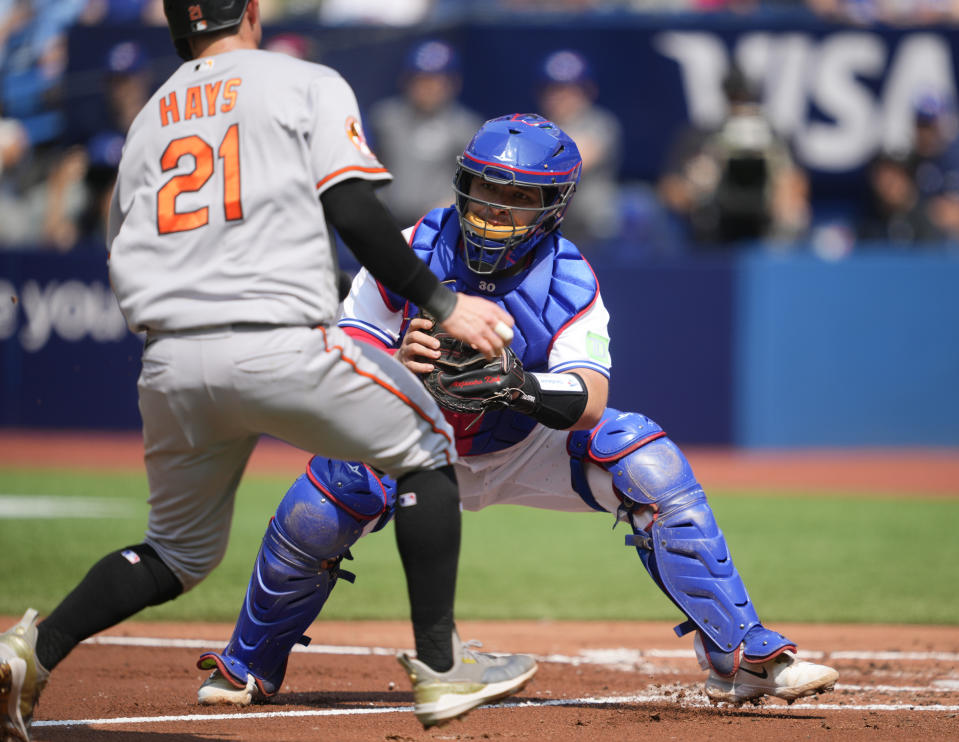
[[784, 676], [218, 691]]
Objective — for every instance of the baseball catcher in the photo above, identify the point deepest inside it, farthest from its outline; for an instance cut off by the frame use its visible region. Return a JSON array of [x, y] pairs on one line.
[[532, 428]]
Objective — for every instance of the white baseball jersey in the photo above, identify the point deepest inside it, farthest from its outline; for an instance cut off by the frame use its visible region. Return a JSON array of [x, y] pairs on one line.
[[215, 216], [533, 472], [364, 309]]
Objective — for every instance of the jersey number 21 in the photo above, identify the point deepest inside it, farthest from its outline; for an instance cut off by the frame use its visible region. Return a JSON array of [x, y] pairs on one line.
[[168, 218]]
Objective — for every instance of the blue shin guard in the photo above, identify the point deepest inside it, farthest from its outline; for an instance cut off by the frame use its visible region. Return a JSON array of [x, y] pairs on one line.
[[322, 515], [682, 547]]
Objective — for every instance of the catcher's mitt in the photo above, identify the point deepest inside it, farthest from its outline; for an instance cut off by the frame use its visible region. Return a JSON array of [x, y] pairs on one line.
[[464, 380]]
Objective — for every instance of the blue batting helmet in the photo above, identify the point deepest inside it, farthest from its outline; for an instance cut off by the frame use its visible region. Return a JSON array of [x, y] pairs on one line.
[[524, 150]]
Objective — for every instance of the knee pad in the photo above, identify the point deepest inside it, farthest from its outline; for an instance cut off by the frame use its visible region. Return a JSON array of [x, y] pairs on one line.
[[330, 506], [322, 514], [615, 436]]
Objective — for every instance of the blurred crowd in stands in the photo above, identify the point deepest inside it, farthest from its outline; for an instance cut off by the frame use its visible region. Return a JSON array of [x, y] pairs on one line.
[[735, 183]]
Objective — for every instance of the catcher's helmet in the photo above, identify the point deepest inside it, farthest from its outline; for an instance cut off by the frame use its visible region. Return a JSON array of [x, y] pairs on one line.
[[522, 149], [188, 18]]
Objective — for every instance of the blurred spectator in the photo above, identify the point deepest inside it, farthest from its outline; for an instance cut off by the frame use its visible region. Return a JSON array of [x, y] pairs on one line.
[[375, 12], [419, 133], [55, 197], [896, 213], [128, 84], [14, 144], [293, 44], [894, 12], [935, 160], [149, 12], [567, 93], [34, 61], [14, 14], [40, 194], [637, 6], [544, 6], [738, 182], [704, 6], [103, 158]]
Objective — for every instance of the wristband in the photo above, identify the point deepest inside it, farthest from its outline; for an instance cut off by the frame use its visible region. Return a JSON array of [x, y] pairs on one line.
[[440, 303]]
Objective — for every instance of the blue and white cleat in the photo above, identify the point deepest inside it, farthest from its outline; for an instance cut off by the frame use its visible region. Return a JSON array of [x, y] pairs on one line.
[[783, 676]]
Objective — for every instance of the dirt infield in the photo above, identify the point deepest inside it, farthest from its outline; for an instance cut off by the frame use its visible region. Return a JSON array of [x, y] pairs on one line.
[[597, 681]]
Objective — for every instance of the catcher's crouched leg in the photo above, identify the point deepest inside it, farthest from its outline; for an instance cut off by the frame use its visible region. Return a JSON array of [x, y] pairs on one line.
[[676, 537], [322, 514]]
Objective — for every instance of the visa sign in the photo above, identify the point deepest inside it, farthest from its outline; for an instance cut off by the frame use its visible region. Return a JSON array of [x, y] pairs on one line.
[[839, 97]]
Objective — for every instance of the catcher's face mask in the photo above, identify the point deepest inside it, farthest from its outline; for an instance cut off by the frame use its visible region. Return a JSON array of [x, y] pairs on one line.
[[502, 212], [513, 185]]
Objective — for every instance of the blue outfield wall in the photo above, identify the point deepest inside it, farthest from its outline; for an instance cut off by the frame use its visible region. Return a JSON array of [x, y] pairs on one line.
[[671, 325], [753, 350], [860, 352]]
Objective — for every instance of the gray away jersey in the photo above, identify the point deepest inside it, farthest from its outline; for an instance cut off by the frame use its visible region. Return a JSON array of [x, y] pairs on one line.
[[216, 215]]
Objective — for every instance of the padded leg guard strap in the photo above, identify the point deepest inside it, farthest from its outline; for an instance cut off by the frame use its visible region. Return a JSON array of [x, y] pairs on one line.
[[286, 593]]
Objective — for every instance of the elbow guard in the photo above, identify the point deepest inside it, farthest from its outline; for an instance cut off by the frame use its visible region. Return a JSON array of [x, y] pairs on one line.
[[554, 400]]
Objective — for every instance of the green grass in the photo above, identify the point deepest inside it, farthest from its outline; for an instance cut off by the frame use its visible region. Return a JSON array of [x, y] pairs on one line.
[[824, 559]]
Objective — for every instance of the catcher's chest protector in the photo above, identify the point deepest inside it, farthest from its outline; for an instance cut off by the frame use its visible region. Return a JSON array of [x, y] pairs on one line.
[[557, 287]]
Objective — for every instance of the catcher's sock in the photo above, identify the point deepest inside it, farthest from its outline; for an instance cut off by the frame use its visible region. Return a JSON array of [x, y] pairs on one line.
[[428, 537], [119, 585]]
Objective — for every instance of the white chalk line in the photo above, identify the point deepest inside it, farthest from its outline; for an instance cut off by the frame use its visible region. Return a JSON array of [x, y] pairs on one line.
[[584, 701], [58, 506], [588, 656], [618, 658]]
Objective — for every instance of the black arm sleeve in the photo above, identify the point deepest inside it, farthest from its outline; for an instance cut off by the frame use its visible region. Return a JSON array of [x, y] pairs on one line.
[[554, 408], [372, 236]]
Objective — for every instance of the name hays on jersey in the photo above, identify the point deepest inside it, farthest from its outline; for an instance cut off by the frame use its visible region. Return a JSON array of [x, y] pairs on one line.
[[198, 101]]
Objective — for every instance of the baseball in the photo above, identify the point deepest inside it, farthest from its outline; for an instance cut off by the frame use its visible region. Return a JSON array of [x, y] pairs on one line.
[[504, 331]]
